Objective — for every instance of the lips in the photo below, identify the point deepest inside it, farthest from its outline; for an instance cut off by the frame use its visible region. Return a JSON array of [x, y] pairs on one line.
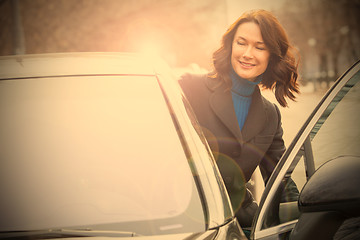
[[246, 64]]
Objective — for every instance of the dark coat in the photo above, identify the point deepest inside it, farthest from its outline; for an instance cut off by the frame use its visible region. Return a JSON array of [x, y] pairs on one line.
[[238, 152]]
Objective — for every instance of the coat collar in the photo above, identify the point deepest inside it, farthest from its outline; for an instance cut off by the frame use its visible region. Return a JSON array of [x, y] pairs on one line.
[[221, 102]]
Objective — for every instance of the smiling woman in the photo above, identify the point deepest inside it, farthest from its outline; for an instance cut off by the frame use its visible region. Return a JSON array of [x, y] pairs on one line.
[[242, 127]]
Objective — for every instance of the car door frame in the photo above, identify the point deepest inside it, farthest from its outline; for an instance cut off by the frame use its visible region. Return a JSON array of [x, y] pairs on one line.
[[289, 161]]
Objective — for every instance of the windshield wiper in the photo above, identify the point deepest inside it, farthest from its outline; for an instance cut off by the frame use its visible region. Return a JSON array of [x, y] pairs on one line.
[[67, 233]]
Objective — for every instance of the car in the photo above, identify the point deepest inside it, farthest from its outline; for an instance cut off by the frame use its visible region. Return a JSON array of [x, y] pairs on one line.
[[323, 161], [104, 145]]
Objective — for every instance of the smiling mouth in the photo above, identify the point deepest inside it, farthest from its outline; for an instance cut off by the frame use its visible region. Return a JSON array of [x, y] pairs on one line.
[[246, 65]]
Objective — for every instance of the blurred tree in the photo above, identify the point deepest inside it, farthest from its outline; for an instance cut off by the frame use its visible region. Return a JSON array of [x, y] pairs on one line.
[[328, 27], [6, 23], [18, 32]]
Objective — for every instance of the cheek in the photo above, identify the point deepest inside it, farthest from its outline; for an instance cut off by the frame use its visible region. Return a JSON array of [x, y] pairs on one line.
[[236, 50]]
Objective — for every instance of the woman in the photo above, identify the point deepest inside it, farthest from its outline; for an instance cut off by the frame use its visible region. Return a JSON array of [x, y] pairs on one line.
[[244, 129]]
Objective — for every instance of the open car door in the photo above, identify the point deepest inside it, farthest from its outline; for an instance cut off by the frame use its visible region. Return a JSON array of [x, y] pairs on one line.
[[331, 132]]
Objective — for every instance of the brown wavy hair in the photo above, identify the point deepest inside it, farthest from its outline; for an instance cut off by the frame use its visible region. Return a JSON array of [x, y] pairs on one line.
[[282, 70]]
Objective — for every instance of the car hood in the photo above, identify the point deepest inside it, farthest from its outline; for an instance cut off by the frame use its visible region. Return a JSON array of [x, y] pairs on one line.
[[211, 234]]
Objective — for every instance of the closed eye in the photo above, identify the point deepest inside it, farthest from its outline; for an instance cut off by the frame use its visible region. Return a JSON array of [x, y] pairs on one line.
[[240, 43]]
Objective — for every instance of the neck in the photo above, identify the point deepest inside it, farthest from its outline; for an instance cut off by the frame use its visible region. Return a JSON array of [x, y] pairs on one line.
[[242, 86]]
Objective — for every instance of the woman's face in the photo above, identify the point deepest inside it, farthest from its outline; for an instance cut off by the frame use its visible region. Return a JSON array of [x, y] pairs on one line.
[[249, 56]]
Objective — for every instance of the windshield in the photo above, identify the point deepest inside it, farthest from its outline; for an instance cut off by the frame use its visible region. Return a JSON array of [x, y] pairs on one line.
[[96, 152]]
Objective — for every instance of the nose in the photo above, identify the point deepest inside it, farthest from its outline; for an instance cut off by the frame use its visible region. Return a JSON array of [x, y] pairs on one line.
[[248, 52]]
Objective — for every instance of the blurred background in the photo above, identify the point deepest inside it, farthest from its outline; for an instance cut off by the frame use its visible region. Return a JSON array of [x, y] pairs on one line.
[[186, 32]]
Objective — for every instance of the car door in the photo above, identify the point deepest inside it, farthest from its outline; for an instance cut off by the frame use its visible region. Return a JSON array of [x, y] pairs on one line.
[[331, 131]]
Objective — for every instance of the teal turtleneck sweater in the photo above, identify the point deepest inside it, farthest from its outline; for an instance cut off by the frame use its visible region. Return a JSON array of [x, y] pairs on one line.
[[241, 92]]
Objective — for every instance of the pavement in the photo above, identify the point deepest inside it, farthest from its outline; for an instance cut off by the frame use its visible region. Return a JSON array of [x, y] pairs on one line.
[[295, 115]]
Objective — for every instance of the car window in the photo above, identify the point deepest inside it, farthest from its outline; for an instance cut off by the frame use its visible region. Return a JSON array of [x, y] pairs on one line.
[[96, 152], [335, 133]]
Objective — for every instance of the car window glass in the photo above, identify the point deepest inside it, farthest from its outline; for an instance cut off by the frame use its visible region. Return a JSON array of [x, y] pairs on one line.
[[335, 134], [100, 151], [339, 133]]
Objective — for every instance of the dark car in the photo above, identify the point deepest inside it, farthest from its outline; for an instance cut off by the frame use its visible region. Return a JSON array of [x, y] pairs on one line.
[[104, 145], [324, 162]]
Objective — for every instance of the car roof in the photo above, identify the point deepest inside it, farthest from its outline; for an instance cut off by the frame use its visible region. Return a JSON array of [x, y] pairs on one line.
[[73, 64]]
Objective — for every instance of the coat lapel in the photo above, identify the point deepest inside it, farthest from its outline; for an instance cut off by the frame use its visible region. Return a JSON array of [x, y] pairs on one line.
[[256, 118], [221, 103]]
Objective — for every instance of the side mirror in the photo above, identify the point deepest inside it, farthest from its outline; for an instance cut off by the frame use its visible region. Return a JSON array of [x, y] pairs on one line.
[[333, 187]]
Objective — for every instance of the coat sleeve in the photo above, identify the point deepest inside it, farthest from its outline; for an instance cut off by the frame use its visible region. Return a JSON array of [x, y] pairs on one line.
[[275, 151], [277, 148]]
